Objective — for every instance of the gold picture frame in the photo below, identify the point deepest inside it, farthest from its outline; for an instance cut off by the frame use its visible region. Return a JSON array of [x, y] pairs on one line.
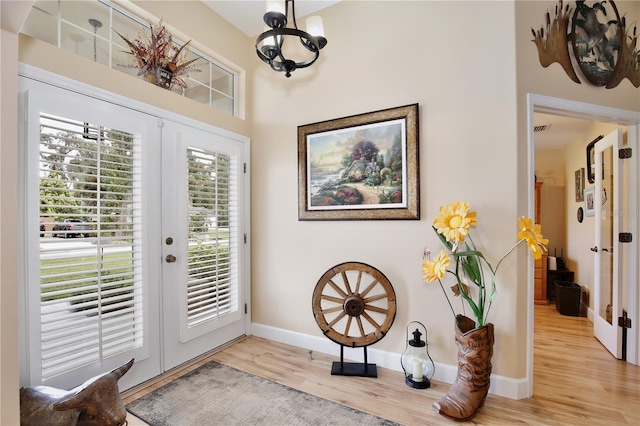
[[361, 167]]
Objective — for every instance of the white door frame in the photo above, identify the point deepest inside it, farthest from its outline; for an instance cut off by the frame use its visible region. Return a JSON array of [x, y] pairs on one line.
[[631, 119]]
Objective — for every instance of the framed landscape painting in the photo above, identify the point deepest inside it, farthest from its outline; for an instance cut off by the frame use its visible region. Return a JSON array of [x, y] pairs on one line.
[[362, 167]]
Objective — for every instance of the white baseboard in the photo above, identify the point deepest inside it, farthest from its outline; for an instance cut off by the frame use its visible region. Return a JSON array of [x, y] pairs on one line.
[[501, 386]]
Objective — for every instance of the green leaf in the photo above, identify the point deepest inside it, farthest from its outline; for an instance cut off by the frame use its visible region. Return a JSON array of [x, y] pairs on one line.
[[444, 241], [476, 311], [470, 264]]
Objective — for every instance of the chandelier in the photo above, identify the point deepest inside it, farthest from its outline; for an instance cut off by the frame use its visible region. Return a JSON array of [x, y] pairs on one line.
[[269, 45]]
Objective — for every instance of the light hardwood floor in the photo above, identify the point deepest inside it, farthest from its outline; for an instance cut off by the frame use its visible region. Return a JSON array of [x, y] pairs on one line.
[[576, 381]]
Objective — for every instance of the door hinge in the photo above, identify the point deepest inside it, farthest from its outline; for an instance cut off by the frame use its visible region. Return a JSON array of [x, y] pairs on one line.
[[245, 167], [624, 153], [160, 122], [245, 308], [245, 238], [625, 237], [624, 321]]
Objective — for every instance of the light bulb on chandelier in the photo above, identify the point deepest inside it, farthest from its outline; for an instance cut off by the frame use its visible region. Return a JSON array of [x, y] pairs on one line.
[[269, 44]]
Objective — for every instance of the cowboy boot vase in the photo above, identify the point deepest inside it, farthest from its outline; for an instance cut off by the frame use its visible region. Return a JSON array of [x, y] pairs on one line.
[[469, 390]]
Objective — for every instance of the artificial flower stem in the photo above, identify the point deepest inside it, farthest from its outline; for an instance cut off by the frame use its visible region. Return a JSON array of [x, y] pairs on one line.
[[447, 297], [494, 272], [505, 256]]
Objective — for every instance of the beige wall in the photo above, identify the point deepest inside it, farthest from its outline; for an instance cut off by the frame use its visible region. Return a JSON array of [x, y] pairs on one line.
[[473, 146], [550, 167], [550, 170], [8, 244], [463, 77], [468, 64], [12, 14]]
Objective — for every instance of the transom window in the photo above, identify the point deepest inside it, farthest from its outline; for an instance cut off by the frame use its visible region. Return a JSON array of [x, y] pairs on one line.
[[85, 28]]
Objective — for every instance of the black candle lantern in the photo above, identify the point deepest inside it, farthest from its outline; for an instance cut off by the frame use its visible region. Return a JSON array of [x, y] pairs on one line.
[[416, 363]]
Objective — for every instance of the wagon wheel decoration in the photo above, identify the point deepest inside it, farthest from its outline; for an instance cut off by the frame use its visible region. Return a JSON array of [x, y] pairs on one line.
[[354, 304]]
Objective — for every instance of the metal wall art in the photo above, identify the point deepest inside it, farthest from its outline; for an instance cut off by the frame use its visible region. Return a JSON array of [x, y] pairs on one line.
[[605, 50]]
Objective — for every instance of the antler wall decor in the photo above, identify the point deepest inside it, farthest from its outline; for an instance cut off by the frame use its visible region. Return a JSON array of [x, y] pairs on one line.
[[628, 60], [604, 49], [552, 46]]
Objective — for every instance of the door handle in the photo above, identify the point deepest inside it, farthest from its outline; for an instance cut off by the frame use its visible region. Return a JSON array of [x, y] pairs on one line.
[[594, 249], [170, 258]]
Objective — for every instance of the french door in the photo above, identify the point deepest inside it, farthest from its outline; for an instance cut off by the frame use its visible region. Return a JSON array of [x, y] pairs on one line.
[[139, 248], [607, 203], [202, 241]]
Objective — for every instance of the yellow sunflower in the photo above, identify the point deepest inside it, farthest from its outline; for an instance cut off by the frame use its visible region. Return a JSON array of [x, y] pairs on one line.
[[433, 270], [532, 235], [454, 221]]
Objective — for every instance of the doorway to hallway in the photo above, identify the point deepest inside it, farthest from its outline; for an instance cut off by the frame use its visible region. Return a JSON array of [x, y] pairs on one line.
[[591, 113]]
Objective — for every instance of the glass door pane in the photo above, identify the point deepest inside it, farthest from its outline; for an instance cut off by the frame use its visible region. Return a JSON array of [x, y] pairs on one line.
[[607, 243]]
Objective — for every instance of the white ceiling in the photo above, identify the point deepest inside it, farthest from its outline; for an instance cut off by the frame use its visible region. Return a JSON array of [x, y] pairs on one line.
[[246, 15], [560, 131]]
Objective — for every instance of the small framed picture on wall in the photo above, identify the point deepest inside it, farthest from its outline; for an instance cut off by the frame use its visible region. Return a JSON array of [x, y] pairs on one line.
[[589, 201], [580, 185]]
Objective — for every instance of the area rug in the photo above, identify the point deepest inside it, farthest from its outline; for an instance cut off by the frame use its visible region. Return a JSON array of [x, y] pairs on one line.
[[216, 394]]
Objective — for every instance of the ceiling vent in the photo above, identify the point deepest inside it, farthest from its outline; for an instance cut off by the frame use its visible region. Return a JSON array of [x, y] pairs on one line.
[[541, 128]]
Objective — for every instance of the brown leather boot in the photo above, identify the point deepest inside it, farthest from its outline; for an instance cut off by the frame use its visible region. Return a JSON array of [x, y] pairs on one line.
[[468, 392]]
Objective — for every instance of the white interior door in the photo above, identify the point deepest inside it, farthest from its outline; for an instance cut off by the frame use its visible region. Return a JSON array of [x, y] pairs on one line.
[[607, 202], [203, 241]]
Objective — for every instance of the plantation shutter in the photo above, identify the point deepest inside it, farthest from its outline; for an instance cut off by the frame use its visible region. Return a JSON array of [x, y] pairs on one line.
[[212, 283], [91, 300]]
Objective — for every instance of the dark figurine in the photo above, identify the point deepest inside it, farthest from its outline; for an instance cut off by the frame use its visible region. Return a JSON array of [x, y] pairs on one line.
[[96, 402]]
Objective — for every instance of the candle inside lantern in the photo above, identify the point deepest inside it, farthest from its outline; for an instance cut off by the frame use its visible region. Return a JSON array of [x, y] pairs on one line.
[[417, 370]]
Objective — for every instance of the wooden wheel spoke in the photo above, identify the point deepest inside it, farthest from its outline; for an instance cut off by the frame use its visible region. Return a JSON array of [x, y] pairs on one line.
[[376, 309], [369, 288], [371, 320], [346, 282], [336, 319], [361, 327], [331, 310], [377, 297], [337, 289], [332, 299], [346, 329], [357, 290]]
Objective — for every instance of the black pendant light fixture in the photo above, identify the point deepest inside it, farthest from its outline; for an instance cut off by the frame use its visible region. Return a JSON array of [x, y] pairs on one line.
[[269, 45]]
